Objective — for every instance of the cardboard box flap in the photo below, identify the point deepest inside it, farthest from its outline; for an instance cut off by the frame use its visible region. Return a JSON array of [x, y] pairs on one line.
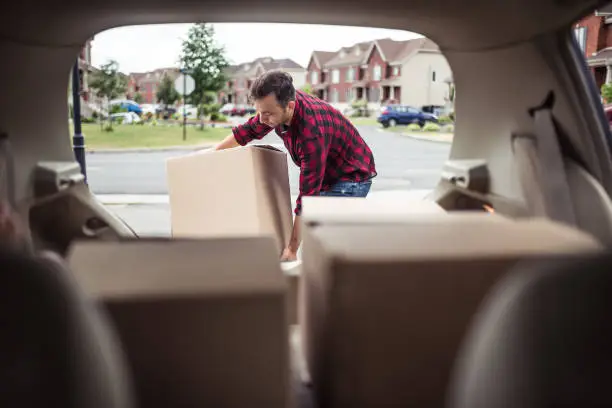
[[452, 236], [266, 147], [344, 209], [166, 268]]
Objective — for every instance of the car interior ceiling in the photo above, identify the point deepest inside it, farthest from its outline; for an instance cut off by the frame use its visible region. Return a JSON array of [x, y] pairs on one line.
[[530, 140]]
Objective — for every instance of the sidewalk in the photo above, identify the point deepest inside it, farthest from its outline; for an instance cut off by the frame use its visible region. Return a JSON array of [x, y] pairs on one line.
[[430, 136], [192, 148]]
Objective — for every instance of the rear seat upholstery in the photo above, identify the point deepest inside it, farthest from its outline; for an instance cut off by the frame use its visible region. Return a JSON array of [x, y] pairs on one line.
[[56, 348], [542, 339], [384, 307]]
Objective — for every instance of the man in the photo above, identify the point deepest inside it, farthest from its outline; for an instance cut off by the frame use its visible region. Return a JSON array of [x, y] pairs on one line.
[[333, 158]]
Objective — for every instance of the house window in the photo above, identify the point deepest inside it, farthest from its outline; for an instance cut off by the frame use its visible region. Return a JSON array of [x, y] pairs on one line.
[[314, 77], [349, 95], [350, 75], [335, 76], [377, 73], [334, 96], [433, 76], [580, 34], [395, 71]]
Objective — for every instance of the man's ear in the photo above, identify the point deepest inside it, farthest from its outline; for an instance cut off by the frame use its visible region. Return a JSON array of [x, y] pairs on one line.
[[291, 105]]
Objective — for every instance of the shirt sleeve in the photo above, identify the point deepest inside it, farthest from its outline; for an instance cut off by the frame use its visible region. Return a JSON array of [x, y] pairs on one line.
[[313, 151], [250, 130]]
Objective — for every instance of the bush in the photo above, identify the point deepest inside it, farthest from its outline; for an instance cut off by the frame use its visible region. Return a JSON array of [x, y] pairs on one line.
[[431, 127], [87, 120], [108, 128], [606, 93], [445, 120], [217, 117], [449, 128], [360, 107], [154, 122], [117, 109], [413, 127]]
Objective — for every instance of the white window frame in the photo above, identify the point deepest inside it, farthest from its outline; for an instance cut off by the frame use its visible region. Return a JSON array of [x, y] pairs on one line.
[[334, 96], [395, 71], [580, 34], [335, 76], [377, 73], [314, 77], [350, 74]]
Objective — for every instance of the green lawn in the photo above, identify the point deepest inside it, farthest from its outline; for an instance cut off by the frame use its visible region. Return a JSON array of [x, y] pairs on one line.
[[137, 136], [370, 121]]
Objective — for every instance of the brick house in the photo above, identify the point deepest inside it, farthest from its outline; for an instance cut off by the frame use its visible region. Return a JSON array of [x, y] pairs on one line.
[[594, 36], [318, 76], [147, 83], [381, 71], [240, 77], [85, 70]]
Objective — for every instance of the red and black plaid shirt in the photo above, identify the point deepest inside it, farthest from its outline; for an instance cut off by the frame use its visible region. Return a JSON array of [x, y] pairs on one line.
[[321, 141]]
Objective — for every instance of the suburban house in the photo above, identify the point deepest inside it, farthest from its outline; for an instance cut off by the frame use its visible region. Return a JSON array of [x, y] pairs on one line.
[[594, 36], [412, 72], [85, 70], [147, 83], [240, 77]]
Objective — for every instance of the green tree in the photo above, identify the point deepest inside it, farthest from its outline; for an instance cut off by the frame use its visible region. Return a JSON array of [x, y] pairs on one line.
[[108, 83], [205, 61], [166, 93], [138, 98], [606, 92]]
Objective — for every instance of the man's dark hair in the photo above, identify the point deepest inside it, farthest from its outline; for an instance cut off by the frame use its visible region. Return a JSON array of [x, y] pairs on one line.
[[274, 82]]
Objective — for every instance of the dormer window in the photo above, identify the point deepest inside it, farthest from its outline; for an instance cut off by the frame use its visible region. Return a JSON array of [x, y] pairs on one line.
[[342, 54], [358, 51]]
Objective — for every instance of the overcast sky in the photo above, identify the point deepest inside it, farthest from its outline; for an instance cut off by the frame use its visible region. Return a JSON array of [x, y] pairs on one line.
[[145, 48]]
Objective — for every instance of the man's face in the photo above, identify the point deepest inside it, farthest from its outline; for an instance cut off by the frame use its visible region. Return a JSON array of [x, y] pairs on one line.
[[271, 113]]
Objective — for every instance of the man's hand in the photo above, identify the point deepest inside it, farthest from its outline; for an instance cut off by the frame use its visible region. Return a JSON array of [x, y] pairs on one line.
[[290, 252], [227, 143], [288, 255]]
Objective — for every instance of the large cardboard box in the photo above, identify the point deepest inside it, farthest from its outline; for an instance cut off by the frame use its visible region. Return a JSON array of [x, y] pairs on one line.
[[234, 192], [203, 322], [386, 306], [323, 210]]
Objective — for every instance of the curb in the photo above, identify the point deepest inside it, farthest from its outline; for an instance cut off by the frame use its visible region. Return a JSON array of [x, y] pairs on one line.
[[152, 149], [426, 138]]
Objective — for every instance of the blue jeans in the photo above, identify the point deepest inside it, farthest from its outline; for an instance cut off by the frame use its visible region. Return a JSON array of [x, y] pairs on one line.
[[348, 189]]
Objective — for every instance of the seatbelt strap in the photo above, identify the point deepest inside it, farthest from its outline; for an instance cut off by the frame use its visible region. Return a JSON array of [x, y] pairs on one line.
[[544, 167], [7, 171]]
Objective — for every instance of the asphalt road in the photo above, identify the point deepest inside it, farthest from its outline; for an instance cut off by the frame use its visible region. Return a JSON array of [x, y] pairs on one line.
[[402, 164]]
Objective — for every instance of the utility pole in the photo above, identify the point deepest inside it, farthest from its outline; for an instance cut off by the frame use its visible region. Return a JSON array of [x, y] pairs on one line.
[[78, 139]]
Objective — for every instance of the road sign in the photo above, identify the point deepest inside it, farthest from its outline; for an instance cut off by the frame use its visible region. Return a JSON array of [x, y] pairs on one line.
[[184, 84]]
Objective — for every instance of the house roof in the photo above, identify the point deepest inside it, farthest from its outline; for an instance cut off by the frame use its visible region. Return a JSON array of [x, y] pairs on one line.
[[600, 57], [391, 51], [323, 57], [153, 76], [411, 46], [356, 54], [249, 69]]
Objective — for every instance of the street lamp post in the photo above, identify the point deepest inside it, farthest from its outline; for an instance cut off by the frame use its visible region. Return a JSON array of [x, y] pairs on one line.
[[78, 139], [184, 71]]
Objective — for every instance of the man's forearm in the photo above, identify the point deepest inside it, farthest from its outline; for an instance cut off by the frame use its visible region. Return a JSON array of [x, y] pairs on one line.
[[294, 241], [227, 143]]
